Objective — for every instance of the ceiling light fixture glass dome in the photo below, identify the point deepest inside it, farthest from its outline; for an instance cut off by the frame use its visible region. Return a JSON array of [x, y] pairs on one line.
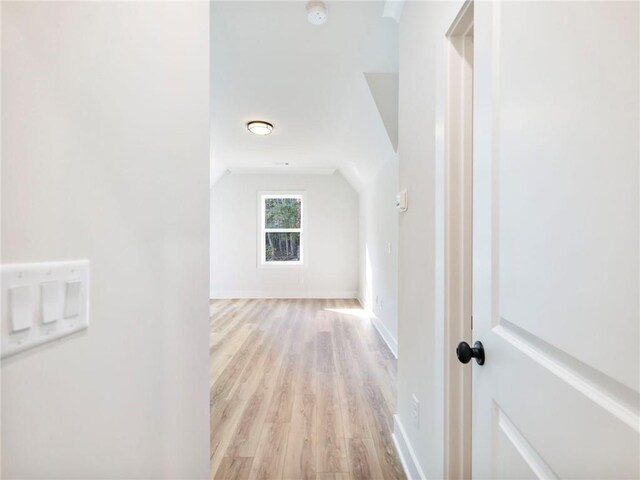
[[259, 127]]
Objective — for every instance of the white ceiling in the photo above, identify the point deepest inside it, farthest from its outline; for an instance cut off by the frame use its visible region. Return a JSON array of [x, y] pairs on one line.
[[269, 64]]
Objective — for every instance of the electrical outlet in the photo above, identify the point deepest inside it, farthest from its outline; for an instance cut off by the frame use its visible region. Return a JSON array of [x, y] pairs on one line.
[[415, 413], [389, 248]]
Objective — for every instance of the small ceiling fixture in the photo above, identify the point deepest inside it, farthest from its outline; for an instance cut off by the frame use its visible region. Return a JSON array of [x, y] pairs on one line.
[[259, 127], [316, 13]]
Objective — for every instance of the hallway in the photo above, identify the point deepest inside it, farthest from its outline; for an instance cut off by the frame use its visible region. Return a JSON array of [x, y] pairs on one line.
[[300, 389], [375, 239]]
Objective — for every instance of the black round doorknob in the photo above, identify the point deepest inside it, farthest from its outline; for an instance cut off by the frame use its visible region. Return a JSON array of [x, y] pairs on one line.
[[465, 353]]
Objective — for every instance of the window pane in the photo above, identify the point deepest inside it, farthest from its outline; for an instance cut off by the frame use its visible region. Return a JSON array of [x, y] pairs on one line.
[[282, 247], [282, 212]]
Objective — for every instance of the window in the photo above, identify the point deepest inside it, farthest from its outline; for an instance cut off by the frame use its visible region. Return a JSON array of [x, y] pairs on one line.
[[281, 223]]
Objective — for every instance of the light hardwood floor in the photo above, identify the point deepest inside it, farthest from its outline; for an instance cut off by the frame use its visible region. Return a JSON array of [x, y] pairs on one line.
[[300, 389]]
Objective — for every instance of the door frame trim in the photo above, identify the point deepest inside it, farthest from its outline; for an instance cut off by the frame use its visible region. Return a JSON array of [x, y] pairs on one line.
[[458, 266]]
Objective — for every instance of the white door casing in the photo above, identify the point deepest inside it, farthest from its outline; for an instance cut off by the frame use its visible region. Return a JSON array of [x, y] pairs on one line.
[[556, 240], [458, 206]]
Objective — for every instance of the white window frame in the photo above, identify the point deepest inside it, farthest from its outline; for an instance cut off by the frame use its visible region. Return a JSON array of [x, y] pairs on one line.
[[262, 230]]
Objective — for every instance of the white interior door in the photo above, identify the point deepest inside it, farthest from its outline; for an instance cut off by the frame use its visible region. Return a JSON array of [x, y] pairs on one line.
[[556, 240]]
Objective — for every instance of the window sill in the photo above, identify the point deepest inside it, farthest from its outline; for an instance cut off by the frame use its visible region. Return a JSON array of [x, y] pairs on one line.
[[280, 265]]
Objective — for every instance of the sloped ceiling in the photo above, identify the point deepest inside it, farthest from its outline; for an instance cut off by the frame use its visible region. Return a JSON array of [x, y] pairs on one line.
[[268, 63], [384, 88]]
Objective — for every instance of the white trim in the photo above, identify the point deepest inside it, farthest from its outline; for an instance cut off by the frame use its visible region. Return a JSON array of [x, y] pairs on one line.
[[220, 294], [408, 458], [384, 332], [456, 191], [277, 170]]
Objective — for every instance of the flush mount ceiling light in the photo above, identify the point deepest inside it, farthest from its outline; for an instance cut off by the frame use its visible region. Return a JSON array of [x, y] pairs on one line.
[[259, 127], [316, 13]]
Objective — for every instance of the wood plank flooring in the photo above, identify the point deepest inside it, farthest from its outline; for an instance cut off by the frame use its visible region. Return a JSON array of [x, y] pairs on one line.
[[300, 389]]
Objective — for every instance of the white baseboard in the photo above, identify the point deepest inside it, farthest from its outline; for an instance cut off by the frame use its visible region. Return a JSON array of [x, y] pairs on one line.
[[389, 339], [271, 294], [386, 336], [410, 463]]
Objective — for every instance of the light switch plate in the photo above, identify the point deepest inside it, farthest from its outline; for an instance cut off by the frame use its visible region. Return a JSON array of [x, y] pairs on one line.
[[401, 201], [42, 302]]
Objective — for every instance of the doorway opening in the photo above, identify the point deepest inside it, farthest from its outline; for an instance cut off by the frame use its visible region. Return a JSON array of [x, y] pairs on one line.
[[304, 240]]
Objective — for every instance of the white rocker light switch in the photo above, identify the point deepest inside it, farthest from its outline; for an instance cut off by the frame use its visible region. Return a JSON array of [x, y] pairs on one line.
[[50, 302], [20, 308], [72, 299]]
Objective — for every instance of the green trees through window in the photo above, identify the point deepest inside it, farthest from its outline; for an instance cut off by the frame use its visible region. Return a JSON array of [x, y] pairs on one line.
[[282, 229], [282, 247], [282, 212]]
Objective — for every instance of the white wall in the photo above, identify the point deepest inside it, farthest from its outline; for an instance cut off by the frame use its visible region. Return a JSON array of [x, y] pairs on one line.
[[331, 238], [420, 336], [105, 157], [378, 290]]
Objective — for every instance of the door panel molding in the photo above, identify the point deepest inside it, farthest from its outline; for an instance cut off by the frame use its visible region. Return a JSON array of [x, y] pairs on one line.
[[616, 398], [523, 447]]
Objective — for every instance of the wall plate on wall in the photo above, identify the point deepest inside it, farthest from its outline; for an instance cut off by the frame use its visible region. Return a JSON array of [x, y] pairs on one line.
[[42, 302], [401, 201]]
